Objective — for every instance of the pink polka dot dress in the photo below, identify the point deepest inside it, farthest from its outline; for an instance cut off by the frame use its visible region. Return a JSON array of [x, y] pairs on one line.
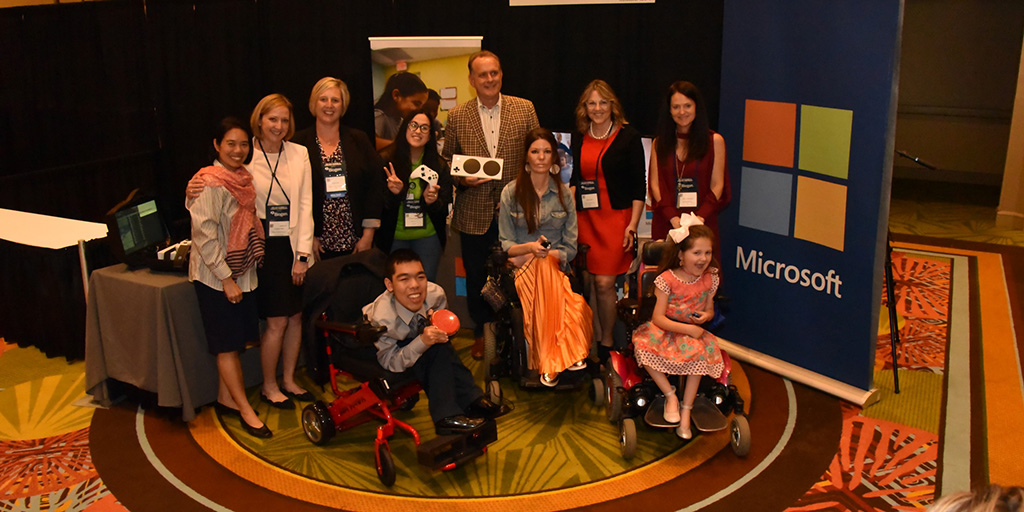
[[674, 353]]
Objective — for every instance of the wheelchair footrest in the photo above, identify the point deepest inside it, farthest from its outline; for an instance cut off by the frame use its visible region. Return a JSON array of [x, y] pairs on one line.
[[447, 452]]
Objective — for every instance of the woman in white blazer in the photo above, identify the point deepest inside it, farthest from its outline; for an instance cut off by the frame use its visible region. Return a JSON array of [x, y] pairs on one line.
[[284, 201]]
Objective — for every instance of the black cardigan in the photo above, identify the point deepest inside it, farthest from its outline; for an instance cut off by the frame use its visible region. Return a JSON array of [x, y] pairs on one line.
[[365, 178], [438, 212], [623, 165]]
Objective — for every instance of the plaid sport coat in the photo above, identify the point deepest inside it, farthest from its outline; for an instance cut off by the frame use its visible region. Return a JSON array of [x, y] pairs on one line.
[[474, 208]]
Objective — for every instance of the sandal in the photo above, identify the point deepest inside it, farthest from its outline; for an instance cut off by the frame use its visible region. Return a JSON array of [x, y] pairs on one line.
[[549, 379]]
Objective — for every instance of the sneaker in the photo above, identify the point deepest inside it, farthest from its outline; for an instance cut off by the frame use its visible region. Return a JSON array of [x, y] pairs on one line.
[[549, 379]]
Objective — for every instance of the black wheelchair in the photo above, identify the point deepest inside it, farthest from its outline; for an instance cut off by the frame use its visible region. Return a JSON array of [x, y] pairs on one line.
[[506, 351]]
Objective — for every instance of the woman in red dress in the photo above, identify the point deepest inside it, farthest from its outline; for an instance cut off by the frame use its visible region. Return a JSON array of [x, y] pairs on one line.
[[688, 167], [608, 177]]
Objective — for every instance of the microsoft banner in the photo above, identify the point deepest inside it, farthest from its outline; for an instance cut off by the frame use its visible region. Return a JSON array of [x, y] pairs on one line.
[[807, 112]]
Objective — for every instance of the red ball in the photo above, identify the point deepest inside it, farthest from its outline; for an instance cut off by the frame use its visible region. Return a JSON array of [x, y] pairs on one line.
[[446, 321]]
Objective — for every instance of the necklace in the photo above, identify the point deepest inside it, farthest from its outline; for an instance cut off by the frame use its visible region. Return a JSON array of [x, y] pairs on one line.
[[685, 275], [606, 133]]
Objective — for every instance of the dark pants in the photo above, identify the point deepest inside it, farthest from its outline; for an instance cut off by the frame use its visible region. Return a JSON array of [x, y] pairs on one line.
[[475, 251], [447, 382]]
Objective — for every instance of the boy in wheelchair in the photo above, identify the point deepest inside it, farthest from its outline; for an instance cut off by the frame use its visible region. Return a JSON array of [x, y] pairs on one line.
[[456, 404]]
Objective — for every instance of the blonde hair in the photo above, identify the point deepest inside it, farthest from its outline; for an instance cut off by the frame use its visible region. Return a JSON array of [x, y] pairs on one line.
[[993, 498], [268, 103], [322, 86], [605, 91]]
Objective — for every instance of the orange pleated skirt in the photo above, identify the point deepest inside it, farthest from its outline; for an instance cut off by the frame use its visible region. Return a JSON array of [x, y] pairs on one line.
[[557, 322]]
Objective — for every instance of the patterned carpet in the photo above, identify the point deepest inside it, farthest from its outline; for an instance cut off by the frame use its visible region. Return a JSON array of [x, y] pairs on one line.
[[935, 436]]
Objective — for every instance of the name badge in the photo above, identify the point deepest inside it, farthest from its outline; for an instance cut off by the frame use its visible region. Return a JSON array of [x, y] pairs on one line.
[[686, 193], [589, 196], [277, 220], [413, 208], [335, 176]]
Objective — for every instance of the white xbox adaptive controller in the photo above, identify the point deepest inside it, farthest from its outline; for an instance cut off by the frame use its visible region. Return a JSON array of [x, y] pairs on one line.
[[426, 174]]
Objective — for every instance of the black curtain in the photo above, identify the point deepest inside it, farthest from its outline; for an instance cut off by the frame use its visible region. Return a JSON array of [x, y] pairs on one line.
[[137, 86]]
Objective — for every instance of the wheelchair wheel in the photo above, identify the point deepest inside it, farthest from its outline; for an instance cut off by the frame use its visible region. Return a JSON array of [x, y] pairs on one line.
[[740, 436], [494, 391], [317, 423], [627, 437], [612, 396], [597, 391], [385, 465]]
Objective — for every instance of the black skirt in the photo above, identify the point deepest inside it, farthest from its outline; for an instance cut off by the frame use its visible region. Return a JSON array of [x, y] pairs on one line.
[[277, 295], [228, 326]]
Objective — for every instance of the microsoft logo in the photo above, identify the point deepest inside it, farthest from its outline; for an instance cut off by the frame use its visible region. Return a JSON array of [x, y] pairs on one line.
[[816, 164]]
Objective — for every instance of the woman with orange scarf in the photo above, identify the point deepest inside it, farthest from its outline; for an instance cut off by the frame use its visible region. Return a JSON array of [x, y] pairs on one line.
[[227, 246]]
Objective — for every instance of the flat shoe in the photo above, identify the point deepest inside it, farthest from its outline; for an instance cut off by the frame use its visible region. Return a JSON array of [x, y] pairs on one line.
[[673, 418], [457, 424], [478, 349], [224, 410], [305, 396], [549, 381], [684, 434], [285, 404], [262, 432]]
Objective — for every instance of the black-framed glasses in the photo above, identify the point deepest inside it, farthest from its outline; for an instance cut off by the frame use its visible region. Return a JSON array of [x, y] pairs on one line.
[[422, 128]]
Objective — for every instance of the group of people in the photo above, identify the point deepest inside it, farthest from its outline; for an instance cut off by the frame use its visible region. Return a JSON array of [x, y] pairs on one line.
[[274, 202]]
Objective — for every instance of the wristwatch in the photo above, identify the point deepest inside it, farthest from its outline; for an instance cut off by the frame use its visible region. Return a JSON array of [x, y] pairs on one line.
[[303, 258]]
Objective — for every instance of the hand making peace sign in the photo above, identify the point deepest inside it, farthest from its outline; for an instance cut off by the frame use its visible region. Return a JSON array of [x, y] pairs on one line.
[[395, 184]]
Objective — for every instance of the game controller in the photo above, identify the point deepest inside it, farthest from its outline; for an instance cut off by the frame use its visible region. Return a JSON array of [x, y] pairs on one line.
[[426, 174], [477, 167]]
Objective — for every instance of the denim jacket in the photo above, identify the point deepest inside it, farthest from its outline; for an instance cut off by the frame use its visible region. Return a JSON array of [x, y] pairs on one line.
[[556, 223]]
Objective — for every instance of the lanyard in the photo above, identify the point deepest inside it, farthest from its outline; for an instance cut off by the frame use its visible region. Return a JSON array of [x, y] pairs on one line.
[[273, 173], [681, 172]]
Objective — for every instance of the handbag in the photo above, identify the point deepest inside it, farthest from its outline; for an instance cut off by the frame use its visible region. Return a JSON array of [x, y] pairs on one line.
[[492, 293]]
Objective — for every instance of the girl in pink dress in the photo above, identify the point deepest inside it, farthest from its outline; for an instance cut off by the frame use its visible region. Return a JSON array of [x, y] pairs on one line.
[[673, 341]]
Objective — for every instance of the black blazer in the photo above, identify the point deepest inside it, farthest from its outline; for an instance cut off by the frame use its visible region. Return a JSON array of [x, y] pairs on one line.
[[623, 165], [438, 212], [365, 181]]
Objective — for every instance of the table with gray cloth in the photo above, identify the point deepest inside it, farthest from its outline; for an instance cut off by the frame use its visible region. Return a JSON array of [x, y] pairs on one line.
[[144, 328]]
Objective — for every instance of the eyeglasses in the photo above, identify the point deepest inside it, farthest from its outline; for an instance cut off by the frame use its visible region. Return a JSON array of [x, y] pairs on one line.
[[422, 128]]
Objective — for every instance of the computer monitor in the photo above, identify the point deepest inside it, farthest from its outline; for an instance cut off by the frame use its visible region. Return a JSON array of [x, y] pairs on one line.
[[136, 231], [140, 227]]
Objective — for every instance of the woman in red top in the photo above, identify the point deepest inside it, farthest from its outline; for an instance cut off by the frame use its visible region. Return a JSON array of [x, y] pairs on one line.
[[608, 177], [688, 167]]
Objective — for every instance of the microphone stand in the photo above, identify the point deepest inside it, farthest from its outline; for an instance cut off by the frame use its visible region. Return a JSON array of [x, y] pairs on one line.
[[894, 333]]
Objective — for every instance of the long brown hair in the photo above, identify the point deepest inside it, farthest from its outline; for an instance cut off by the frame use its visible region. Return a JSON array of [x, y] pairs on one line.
[[699, 137], [525, 194], [670, 259]]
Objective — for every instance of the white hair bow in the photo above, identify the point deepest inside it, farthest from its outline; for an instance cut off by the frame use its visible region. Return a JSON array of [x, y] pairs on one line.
[[685, 221]]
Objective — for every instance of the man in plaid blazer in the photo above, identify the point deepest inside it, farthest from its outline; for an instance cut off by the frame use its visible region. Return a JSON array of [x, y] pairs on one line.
[[493, 125]]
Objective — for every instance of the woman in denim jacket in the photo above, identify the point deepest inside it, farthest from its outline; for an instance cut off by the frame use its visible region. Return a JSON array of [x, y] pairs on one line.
[[537, 228]]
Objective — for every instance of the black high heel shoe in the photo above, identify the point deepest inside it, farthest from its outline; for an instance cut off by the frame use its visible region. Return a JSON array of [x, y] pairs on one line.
[[262, 432]]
